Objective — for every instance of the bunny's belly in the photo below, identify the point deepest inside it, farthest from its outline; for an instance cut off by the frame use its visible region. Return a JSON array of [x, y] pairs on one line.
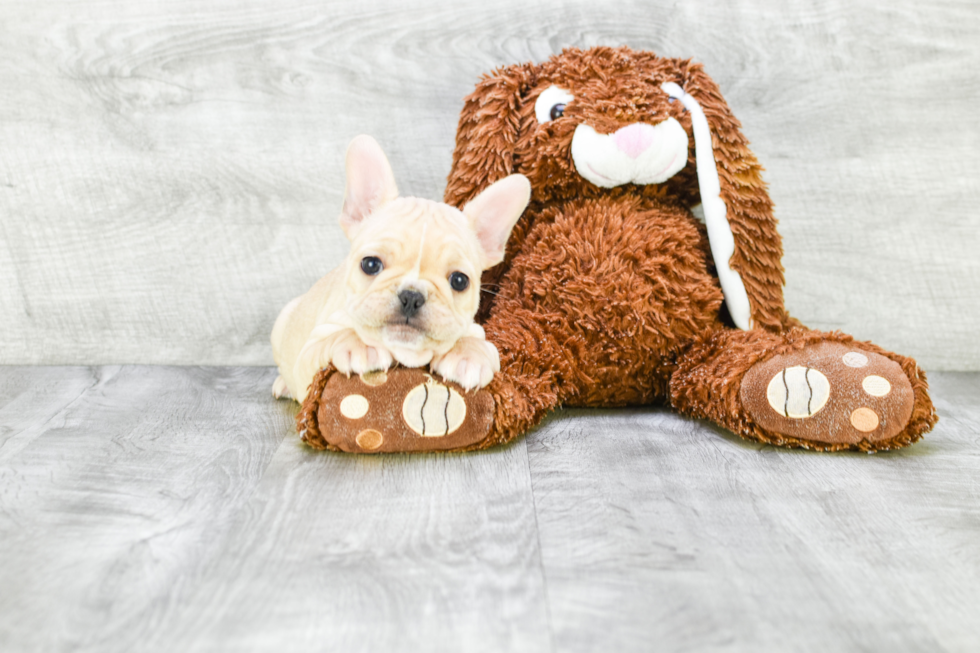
[[621, 287]]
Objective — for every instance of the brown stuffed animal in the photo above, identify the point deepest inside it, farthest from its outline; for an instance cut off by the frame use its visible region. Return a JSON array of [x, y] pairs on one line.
[[613, 293]]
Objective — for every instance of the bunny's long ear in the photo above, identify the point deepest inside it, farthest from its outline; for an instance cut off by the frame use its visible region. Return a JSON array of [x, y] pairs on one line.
[[745, 244], [489, 128]]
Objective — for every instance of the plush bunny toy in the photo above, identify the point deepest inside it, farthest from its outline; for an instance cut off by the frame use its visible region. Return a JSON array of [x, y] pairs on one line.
[[613, 293]]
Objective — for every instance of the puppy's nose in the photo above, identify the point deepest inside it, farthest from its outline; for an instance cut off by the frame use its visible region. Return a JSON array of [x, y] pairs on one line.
[[412, 301]]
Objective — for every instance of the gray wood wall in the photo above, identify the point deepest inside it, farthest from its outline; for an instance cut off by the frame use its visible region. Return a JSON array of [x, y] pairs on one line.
[[171, 172]]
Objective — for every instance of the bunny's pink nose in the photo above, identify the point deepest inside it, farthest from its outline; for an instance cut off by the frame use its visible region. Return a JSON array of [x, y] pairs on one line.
[[633, 140]]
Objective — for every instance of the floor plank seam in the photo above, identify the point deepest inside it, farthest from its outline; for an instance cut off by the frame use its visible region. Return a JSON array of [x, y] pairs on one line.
[[14, 445], [537, 537]]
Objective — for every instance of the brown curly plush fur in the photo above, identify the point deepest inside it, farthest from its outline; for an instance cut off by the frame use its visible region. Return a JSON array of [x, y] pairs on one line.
[[608, 297], [499, 135]]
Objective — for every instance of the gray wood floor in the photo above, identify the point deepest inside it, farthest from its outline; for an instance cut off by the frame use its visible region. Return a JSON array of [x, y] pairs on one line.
[[173, 509]]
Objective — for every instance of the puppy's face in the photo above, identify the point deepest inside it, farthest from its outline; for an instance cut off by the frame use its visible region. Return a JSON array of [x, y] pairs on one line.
[[412, 278]]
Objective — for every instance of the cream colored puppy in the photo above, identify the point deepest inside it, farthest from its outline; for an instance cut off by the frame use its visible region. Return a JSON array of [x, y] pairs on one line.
[[410, 287]]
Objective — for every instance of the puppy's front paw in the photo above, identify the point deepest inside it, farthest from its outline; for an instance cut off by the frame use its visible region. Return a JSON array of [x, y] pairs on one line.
[[351, 356], [280, 390], [471, 363]]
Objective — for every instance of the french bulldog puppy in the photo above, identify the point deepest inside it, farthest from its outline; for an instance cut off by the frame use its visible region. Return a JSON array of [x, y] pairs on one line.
[[410, 288]]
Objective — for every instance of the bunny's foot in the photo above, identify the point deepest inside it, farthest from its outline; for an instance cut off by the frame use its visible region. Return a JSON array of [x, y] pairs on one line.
[[829, 392], [400, 410], [802, 388]]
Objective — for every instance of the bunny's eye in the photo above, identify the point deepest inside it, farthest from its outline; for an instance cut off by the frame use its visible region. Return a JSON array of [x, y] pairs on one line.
[[551, 104]]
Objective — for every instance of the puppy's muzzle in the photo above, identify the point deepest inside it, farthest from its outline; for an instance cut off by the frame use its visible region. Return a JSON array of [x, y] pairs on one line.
[[411, 301]]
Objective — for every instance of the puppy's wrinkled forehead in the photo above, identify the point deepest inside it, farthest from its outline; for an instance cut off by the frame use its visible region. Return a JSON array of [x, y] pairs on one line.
[[422, 233]]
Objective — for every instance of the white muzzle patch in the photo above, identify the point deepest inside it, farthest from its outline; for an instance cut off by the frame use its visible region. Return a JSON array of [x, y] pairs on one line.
[[638, 153]]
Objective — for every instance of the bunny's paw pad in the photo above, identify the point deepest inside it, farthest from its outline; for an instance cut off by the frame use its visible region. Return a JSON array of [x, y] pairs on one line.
[[401, 410], [829, 393]]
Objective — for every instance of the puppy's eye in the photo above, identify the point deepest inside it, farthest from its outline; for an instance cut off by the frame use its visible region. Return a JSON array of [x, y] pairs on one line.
[[459, 281], [371, 265], [551, 104]]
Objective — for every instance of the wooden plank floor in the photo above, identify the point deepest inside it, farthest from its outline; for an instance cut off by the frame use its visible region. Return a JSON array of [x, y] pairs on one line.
[[173, 509]]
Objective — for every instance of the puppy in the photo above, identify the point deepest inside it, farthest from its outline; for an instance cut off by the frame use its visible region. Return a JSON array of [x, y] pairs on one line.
[[410, 288]]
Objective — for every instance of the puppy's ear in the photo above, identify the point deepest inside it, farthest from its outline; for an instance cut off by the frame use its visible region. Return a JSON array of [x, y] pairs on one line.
[[744, 198], [370, 183], [494, 212], [488, 132]]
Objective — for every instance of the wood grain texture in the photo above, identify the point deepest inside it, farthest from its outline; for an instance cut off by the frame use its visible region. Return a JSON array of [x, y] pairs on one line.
[[33, 400], [170, 173], [676, 536], [118, 503], [174, 509], [386, 553]]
